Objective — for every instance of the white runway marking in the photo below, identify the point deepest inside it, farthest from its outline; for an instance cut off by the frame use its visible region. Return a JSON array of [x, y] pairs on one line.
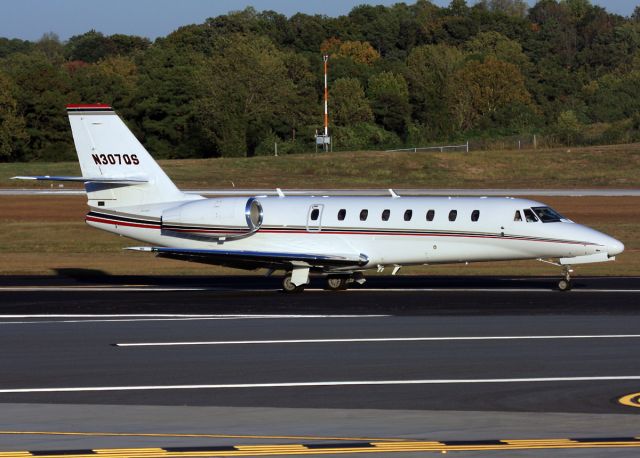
[[81, 318], [376, 339], [151, 288], [318, 384], [99, 289], [484, 290]]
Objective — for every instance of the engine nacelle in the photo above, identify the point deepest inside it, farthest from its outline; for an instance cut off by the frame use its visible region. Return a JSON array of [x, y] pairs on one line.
[[226, 217]]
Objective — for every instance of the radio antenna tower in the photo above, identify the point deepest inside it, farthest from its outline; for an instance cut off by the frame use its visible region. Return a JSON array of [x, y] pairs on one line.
[[324, 139]]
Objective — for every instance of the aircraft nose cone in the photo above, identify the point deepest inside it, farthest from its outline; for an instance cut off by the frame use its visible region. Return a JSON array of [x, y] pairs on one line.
[[614, 247]]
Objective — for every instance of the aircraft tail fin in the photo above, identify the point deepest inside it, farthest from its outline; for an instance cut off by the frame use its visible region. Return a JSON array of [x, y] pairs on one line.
[[117, 170]]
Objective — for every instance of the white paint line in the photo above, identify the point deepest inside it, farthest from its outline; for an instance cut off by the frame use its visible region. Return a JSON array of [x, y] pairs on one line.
[[120, 289], [320, 383], [19, 289], [487, 290], [124, 318], [376, 339], [180, 315]]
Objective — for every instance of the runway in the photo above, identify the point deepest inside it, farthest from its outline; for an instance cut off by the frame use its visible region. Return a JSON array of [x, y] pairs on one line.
[[428, 359]]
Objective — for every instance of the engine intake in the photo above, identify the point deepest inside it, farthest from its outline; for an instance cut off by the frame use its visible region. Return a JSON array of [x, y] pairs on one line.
[[227, 217]]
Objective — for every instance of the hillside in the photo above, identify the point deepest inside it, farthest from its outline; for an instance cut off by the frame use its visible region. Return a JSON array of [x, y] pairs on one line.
[[408, 74]]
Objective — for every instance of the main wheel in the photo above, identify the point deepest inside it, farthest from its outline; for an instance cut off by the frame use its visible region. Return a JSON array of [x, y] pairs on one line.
[[289, 287], [335, 283], [564, 285]]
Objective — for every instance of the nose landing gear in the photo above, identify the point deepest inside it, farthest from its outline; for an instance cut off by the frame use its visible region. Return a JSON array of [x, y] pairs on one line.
[[565, 284]]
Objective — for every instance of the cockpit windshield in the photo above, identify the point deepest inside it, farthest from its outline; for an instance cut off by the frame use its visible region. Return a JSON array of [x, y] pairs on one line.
[[548, 215]]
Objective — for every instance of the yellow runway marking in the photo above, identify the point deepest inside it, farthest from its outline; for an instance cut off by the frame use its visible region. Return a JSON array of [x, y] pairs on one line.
[[631, 400], [325, 448], [211, 436]]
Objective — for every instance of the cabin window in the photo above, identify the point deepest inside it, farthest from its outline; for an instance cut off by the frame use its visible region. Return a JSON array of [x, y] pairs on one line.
[[385, 214], [517, 216], [341, 214], [453, 214], [364, 213], [529, 216], [548, 215], [430, 215], [408, 214], [314, 214], [475, 215]]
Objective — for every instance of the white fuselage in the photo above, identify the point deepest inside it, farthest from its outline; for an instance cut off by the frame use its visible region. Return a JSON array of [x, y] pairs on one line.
[[394, 231]]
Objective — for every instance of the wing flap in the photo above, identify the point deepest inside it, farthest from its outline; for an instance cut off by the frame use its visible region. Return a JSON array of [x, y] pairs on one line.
[[256, 259]]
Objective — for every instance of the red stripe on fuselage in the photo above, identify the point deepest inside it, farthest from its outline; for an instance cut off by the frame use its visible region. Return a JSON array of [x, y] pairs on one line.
[[120, 223], [294, 231], [418, 234]]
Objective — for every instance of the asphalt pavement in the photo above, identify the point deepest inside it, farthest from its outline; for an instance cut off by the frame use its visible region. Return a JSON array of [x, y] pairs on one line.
[[445, 358]]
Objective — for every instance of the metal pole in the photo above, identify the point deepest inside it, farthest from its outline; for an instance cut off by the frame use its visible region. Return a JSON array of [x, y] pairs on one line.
[[326, 103]]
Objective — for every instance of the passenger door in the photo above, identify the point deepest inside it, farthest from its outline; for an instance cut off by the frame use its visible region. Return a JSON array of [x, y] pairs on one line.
[[314, 218]]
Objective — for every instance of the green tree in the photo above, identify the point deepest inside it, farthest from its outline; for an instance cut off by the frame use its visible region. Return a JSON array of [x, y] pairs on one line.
[[430, 70], [93, 46], [113, 81], [89, 47], [163, 105], [348, 103], [509, 7], [43, 89], [614, 96], [12, 46], [568, 127], [496, 45], [12, 125], [480, 89], [49, 44], [246, 89], [389, 96]]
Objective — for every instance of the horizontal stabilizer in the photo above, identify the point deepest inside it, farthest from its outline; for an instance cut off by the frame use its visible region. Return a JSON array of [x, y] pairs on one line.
[[117, 180], [256, 259]]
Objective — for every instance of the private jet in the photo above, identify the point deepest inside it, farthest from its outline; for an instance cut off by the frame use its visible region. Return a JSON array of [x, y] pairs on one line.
[[339, 237]]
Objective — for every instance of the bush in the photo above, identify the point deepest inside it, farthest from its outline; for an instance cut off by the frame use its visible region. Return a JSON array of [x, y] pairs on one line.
[[266, 146], [364, 136]]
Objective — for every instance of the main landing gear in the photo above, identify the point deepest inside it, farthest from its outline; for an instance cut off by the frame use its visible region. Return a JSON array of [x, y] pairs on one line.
[[289, 287], [565, 284], [333, 282], [337, 282]]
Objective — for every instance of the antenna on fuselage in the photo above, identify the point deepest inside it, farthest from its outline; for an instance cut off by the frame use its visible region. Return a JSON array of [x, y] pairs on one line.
[[393, 194]]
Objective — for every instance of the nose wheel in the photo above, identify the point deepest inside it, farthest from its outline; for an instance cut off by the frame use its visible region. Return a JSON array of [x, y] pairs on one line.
[[565, 284]]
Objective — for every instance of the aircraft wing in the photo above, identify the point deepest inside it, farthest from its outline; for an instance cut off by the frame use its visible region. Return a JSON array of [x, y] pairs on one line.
[[256, 259]]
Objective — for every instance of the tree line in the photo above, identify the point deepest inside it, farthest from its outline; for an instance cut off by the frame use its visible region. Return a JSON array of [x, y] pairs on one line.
[[404, 75]]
